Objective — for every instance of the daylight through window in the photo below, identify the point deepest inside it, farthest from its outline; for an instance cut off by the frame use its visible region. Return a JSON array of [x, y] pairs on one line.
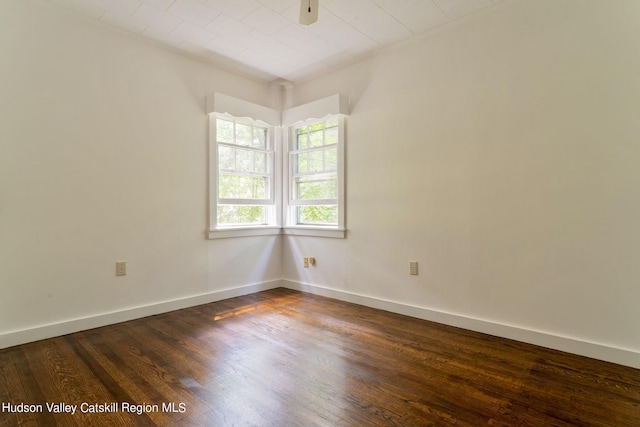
[[276, 172], [314, 173], [245, 178]]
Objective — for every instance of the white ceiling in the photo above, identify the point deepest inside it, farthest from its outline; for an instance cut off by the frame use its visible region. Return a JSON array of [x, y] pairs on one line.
[[262, 38]]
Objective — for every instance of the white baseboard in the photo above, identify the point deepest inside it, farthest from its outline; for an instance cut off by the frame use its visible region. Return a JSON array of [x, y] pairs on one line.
[[567, 344], [571, 345], [36, 333]]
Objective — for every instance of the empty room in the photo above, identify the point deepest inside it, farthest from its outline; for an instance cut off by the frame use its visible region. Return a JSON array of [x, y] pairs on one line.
[[320, 213]]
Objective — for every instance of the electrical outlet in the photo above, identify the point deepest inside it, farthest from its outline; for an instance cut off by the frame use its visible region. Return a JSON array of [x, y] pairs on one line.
[[121, 268], [306, 262], [413, 268], [312, 261]]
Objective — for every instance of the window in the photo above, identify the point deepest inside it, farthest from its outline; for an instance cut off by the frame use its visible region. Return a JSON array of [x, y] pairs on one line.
[[244, 179], [273, 172], [245, 173], [315, 171]]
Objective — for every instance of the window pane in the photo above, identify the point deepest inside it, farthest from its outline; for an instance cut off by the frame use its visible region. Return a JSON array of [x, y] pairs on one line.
[[241, 215], [331, 122], [226, 158], [260, 162], [243, 135], [325, 215], [316, 126], [331, 159], [244, 161], [242, 187], [315, 139], [302, 141], [308, 189], [331, 136], [301, 162], [315, 161], [260, 138], [224, 130]]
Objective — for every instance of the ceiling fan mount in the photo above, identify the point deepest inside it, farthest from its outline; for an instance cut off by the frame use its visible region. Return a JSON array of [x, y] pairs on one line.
[[308, 11]]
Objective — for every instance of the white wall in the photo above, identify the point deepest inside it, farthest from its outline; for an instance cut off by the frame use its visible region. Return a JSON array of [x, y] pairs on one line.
[[103, 157], [503, 154]]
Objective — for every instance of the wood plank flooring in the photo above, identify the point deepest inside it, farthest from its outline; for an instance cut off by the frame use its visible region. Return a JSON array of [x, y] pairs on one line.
[[286, 358]]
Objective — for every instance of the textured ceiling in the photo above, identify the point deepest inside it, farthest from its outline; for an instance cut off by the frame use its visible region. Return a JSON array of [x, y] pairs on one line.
[[262, 38]]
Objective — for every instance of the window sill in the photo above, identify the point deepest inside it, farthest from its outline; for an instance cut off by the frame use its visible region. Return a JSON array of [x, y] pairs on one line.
[[225, 233], [336, 233]]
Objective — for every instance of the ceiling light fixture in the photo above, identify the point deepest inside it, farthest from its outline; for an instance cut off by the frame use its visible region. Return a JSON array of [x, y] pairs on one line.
[[308, 11]]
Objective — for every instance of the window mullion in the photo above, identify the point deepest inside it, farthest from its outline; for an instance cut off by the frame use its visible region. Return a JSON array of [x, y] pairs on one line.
[[247, 174], [314, 202], [245, 147], [308, 150], [250, 202]]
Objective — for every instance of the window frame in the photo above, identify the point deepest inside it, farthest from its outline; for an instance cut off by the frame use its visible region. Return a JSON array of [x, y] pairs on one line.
[[272, 223], [292, 226]]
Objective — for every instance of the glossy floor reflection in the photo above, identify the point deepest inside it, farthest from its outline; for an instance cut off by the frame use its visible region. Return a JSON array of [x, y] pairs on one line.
[[286, 358]]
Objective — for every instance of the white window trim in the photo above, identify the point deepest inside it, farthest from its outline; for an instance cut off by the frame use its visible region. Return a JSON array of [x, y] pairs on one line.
[[225, 233], [315, 231], [280, 122]]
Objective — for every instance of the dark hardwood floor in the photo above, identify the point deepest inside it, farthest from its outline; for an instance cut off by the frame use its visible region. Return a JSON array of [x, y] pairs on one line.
[[285, 358]]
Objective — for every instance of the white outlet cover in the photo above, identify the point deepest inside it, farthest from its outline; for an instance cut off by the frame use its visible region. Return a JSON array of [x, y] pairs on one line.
[[121, 268]]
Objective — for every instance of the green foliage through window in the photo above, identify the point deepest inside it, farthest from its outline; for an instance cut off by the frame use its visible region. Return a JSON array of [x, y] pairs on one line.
[[318, 215], [241, 215]]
